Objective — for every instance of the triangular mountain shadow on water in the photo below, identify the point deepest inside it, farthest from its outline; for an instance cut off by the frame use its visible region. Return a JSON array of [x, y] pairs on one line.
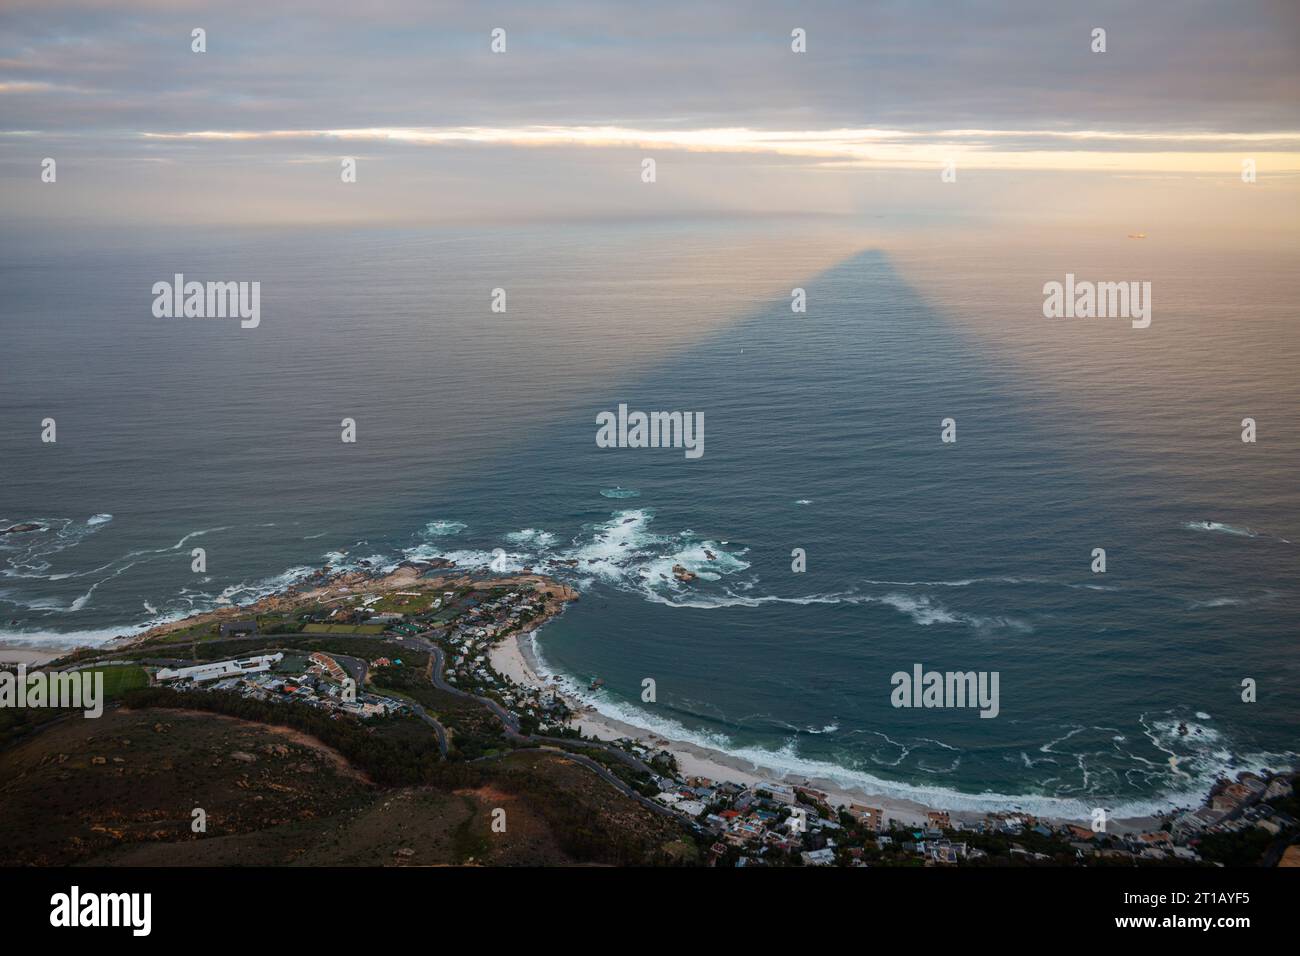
[[842, 405], [969, 556]]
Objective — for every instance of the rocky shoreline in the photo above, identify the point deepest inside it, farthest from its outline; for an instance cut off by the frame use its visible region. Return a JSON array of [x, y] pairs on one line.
[[325, 586]]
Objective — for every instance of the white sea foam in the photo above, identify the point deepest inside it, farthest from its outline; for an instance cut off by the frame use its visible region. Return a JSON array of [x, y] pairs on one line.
[[499, 560], [1217, 602], [1231, 601], [531, 537], [247, 592], [923, 609], [1219, 527], [622, 552], [31, 565], [192, 535], [785, 762], [1222, 528], [27, 553], [968, 582], [620, 493], [441, 528]]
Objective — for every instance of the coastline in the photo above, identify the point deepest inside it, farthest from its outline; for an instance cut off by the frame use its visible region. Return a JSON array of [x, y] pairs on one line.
[[325, 586], [515, 658]]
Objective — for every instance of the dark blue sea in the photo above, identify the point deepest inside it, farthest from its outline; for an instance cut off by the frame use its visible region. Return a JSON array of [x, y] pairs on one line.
[[476, 432]]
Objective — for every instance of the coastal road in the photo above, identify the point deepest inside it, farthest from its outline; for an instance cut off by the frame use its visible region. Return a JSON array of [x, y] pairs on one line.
[[355, 666], [359, 669], [604, 773], [555, 745], [438, 730], [437, 661]]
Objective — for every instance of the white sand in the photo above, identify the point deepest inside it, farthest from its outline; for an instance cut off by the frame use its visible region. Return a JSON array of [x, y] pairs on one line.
[[513, 658], [30, 656]]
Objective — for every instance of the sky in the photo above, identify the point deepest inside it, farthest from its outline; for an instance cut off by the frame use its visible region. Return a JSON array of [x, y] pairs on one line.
[[887, 94]]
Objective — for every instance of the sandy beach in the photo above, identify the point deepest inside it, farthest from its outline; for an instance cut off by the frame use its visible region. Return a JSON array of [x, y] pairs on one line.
[[30, 656], [514, 658]]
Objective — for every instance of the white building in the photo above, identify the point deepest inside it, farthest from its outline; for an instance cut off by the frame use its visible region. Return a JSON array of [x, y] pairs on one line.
[[779, 791], [219, 669], [824, 857]]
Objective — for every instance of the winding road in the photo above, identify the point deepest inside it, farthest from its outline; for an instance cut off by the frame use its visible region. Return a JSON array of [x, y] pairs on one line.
[[555, 745], [358, 669]]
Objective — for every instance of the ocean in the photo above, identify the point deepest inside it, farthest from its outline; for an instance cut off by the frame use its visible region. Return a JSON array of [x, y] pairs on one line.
[[476, 442]]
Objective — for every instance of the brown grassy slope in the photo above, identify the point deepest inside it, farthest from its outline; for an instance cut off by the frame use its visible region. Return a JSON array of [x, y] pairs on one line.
[[84, 786], [296, 802]]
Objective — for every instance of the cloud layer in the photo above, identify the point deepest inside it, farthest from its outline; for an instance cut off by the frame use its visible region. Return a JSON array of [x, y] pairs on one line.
[[1185, 86]]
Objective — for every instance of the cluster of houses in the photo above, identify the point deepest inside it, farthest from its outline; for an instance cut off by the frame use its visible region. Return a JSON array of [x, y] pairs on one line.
[[757, 819], [469, 642], [1236, 806], [545, 705], [755, 823], [469, 639], [320, 686], [488, 620], [477, 629]]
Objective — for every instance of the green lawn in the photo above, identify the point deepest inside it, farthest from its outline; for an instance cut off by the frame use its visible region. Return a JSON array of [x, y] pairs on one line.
[[119, 680], [343, 629], [406, 604]]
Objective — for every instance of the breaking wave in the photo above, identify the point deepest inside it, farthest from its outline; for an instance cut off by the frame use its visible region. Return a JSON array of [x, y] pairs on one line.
[[1219, 527], [532, 537], [1077, 779], [620, 493], [438, 529], [923, 609], [623, 552]]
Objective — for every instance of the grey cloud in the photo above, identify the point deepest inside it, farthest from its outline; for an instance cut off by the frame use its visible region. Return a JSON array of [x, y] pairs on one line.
[[126, 66]]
